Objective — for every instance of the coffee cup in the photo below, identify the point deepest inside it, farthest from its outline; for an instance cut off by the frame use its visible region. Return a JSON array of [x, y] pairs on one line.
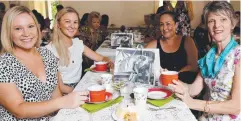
[[97, 93], [101, 66], [106, 80], [140, 95], [167, 77]]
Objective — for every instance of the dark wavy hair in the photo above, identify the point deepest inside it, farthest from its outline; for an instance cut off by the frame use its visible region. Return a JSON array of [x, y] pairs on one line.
[[104, 20], [172, 14]]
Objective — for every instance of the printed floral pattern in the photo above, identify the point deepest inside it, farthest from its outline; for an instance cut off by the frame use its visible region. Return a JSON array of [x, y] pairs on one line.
[[220, 87]]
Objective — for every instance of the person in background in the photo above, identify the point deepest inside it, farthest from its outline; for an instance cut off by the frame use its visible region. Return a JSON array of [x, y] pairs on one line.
[[12, 5], [83, 24], [69, 50], [42, 25], [83, 21], [90, 35], [2, 12], [237, 13], [236, 30], [166, 7], [29, 77], [184, 26], [104, 26], [202, 39], [177, 52], [219, 69], [59, 7]]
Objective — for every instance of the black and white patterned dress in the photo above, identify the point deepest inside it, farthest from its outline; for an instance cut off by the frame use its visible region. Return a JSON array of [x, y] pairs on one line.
[[32, 89]]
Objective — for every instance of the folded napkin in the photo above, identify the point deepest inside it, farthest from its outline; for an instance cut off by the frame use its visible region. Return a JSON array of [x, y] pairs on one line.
[[159, 103], [91, 108]]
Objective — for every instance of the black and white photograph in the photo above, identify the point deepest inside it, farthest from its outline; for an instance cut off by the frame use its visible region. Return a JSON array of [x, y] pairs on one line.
[[121, 40], [137, 64]]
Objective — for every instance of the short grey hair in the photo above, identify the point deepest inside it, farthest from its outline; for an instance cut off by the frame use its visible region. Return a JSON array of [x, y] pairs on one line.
[[220, 7]]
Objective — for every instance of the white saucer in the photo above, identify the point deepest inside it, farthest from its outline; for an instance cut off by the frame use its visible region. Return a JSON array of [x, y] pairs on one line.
[[156, 95]]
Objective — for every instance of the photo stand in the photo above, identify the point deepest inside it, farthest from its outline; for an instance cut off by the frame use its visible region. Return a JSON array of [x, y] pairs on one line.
[[121, 40]]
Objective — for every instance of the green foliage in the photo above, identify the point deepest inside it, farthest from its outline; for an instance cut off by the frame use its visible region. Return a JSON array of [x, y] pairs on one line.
[[54, 9]]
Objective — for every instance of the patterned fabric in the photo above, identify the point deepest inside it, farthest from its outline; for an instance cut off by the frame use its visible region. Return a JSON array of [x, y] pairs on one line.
[[90, 38], [209, 66], [32, 89], [220, 87], [151, 31], [184, 27]]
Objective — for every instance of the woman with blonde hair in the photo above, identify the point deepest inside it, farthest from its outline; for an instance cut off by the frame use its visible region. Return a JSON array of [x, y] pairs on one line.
[[68, 49], [29, 78], [90, 34]]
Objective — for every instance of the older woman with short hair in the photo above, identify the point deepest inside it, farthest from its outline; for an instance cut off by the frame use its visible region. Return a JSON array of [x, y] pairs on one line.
[[219, 69]]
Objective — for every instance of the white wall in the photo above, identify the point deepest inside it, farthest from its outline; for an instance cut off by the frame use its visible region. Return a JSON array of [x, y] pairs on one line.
[[197, 12], [129, 13]]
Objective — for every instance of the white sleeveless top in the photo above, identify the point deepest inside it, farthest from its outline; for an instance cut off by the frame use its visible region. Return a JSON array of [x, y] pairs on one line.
[[71, 73]]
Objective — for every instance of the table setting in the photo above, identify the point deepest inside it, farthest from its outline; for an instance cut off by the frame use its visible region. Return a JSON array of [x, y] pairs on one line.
[[126, 101], [141, 94]]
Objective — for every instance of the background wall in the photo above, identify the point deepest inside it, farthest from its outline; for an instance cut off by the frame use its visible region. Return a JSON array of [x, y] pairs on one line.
[[129, 13], [236, 5]]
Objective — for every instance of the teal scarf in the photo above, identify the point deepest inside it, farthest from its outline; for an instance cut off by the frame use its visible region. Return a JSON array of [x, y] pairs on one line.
[[209, 68]]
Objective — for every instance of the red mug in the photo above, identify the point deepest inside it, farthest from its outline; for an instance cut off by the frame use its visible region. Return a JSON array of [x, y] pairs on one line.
[[101, 66], [97, 93], [167, 77]]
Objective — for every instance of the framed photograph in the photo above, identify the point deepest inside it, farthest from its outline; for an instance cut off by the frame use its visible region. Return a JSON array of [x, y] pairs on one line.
[[121, 40], [137, 65]]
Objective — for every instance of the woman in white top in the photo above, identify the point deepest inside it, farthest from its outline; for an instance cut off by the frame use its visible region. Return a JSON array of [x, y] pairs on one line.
[[68, 49], [29, 76]]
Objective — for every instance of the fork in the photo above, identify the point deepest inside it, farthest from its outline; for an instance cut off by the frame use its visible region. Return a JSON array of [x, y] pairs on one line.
[[156, 109]]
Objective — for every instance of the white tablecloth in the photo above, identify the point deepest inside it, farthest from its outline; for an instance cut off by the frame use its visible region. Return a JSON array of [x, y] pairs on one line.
[[105, 50], [180, 113]]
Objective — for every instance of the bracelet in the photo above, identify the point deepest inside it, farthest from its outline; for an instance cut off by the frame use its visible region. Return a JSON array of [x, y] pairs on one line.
[[206, 108]]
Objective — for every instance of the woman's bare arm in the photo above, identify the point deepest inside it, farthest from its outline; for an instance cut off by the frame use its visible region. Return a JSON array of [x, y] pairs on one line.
[[152, 44], [230, 106], [11, 99], [64, 88], [192, 56]]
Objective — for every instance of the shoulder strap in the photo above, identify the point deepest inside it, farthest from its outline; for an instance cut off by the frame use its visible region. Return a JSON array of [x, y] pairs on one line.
[[183, 40], [158, 43]]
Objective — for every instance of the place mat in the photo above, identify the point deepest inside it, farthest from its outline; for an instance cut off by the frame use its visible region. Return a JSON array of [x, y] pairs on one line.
[[91, 108], [159, 103]]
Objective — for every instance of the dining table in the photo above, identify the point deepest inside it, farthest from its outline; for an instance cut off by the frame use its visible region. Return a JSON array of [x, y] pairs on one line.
[[180, 113]]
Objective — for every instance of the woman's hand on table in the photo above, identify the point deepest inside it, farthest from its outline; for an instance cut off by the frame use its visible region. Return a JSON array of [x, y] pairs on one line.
[[181, 91], [74, 99], [109, 61]]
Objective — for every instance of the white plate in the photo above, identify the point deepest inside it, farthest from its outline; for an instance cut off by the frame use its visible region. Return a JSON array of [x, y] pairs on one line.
[[157, 95], [114, 115]]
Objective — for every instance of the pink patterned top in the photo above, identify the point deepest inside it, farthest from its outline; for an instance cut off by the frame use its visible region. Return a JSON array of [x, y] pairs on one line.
[[220, 87]]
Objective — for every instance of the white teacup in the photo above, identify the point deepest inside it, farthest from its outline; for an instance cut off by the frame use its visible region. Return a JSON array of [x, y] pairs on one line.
[[140, 94], [106, 80]]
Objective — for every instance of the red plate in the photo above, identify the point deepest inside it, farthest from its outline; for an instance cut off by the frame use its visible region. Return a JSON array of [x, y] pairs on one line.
[[93, 70], [158, 93]]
